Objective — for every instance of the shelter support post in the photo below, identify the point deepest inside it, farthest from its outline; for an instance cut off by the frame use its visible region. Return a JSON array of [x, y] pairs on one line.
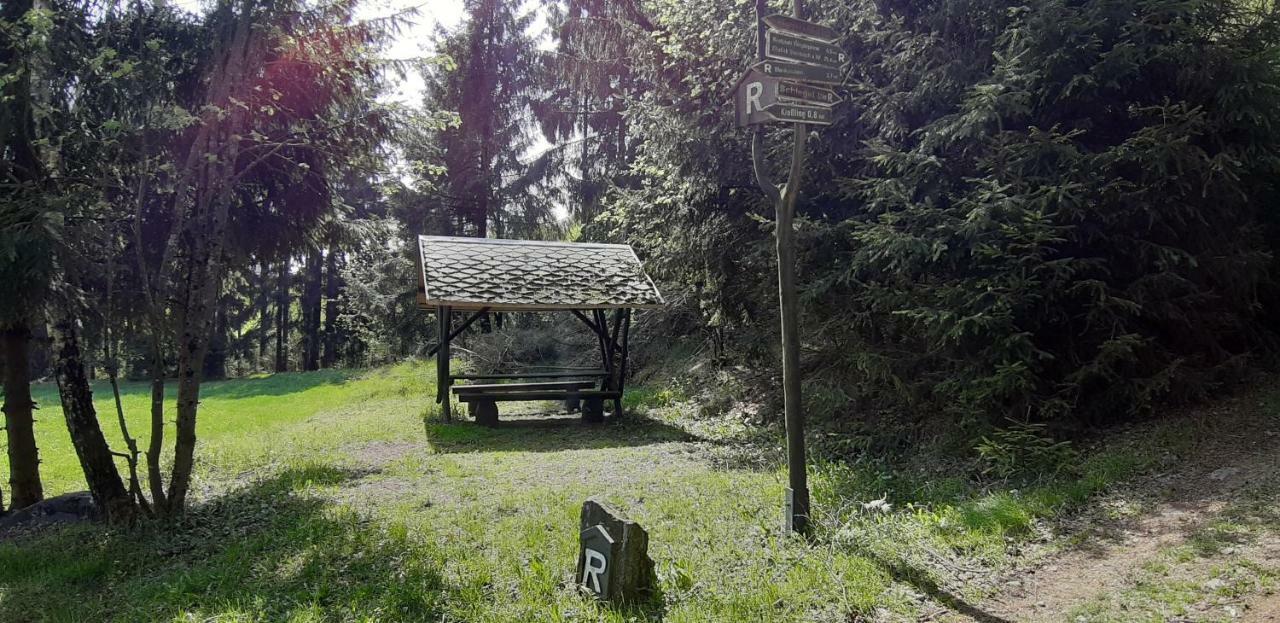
[[613, 340], [614, 357], [602, 321], [622, 362], [443, 380]]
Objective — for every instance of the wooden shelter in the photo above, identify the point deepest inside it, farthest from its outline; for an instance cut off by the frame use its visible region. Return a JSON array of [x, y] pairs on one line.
[[600, 284]]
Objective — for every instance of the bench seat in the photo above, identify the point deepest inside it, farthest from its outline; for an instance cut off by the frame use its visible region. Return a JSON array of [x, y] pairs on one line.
[[509, 387], [517, 396], [529, 375]]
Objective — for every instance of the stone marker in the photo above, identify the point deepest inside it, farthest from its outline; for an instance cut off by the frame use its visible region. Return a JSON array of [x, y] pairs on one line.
[[614, 561]]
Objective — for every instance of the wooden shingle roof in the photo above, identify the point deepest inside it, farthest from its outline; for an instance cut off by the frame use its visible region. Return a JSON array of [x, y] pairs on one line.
[[530, 275]]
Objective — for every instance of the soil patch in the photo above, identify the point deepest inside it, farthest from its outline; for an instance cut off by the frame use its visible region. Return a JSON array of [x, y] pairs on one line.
[[1175, 507]]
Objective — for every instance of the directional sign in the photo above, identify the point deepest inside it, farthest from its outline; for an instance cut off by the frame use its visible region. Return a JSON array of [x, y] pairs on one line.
[[782, 111], [801, 28], [798, 93], [758, 100], [798, 71], [762, 99], [787, 47]]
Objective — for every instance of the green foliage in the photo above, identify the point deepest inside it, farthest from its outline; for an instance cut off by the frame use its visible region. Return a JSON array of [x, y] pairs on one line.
[[1051, 211], [473, 178], [1064, 220], [1024, 451]]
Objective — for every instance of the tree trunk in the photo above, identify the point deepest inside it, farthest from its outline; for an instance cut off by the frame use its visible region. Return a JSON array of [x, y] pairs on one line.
[[311, 311], [264, 313], [155, 478], [330, 355], [215, 361], [108, 491], [192, 348], [24, 457], [282, 318]]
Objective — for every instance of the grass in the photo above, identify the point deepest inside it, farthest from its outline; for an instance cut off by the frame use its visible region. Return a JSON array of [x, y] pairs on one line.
[[322, 498]]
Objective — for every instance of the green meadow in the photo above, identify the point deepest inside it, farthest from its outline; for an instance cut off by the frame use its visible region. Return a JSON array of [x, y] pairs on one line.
[[341, 496]]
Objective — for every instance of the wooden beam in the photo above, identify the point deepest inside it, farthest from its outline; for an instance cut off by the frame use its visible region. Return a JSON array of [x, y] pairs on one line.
[[495, 306], [583, 317], [456, 332], [622, 368], [565, 368]]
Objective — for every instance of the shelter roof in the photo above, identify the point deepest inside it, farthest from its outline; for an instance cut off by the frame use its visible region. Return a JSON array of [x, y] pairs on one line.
[[531, 275]]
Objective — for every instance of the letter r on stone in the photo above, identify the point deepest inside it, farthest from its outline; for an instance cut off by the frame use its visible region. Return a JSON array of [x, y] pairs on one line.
[[592, 566]]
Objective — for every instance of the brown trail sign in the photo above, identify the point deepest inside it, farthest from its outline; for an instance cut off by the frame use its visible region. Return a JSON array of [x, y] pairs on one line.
[[799, 71], [812, 115], [801, 28], [762, 99], [785, 47], [806, 94]]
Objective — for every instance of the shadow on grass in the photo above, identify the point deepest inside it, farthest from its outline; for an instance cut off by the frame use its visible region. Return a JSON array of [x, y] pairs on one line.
[[551, 434], [277, 384], [923, 581], [268, 551], [272, 385]]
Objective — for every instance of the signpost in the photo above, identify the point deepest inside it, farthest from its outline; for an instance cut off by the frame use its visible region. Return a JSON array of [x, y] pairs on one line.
[[793, 56]]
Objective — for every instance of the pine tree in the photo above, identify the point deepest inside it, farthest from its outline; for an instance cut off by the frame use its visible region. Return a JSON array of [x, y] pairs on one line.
[[489, 83]]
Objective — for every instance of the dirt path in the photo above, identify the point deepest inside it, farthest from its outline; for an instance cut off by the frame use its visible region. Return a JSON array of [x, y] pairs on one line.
[[1264, 610], [1198, 542]]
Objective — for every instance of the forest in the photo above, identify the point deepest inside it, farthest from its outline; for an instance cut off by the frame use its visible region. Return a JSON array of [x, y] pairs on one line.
[[1028, 227]]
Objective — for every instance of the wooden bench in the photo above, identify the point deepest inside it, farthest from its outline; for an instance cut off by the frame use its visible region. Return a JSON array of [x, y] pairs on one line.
[[482, 399], [514, 387], [592, 373]]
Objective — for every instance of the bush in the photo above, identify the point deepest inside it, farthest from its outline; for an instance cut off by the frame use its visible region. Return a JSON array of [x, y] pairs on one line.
[[1024, 451], [1061, 206], [1053, 211]]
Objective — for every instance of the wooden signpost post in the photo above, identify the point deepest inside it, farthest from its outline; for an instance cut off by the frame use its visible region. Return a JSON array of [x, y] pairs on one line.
[[794, 56]]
